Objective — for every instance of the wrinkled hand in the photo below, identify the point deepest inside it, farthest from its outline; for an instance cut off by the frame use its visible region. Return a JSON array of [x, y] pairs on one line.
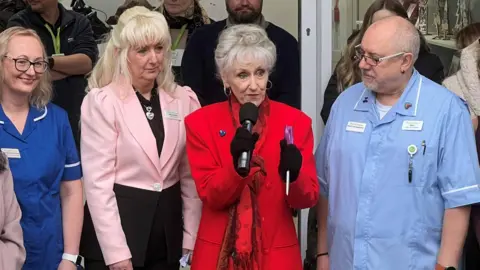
[[243, 141], [123, 265], [290, 160], [67, 265], [323, 263]]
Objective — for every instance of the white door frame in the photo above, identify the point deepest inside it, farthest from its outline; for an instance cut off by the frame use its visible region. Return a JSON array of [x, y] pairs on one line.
[[315, 37]]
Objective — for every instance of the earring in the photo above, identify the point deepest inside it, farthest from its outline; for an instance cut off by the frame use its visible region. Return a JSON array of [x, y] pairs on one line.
[[227, 91], [271, 85], [402, 71]]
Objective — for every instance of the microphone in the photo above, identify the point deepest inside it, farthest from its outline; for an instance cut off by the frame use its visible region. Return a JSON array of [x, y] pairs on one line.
[[248, 117]]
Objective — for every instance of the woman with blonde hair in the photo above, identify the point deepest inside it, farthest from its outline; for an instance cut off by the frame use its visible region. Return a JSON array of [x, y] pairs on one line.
[[142, 205], [37, 138]]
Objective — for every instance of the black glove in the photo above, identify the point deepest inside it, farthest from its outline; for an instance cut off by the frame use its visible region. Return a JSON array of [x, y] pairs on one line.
[[243, 141], [290, 160]]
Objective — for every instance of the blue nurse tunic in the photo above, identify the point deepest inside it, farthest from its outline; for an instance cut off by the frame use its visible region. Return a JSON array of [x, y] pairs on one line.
[[40, 158], [381, 216]]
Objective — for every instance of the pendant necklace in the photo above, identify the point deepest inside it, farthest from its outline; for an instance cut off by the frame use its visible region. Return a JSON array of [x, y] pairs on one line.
[[149, 112]]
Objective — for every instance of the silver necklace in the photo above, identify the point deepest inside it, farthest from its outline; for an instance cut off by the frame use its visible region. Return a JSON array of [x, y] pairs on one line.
[[149, 114]]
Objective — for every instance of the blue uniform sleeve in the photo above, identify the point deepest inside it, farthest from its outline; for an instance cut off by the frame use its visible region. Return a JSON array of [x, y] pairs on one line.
[[73, 170], [321, 155], [458, 170]]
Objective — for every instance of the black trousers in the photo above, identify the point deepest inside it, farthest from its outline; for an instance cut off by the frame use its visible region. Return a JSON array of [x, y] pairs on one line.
[[156, 255], [162, 244]]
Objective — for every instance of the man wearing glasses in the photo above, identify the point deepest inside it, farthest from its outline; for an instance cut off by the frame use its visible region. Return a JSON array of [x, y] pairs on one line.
[[69, 41], [397, 164]]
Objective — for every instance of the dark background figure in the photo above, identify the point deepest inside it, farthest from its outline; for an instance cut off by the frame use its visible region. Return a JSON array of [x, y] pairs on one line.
[[7, 9], [198, 64]]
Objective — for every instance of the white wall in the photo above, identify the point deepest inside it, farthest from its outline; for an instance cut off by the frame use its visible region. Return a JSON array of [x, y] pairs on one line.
[[283, 13]]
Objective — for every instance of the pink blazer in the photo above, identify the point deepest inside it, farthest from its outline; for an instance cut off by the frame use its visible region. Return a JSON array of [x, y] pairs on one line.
[[12, 251], [118, 146]]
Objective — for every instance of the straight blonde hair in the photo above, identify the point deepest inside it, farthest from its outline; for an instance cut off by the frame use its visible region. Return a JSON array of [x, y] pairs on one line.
[[137, 27], [42, 94]]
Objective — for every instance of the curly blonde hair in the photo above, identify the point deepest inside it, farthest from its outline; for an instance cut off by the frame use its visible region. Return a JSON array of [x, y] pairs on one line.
[[42, 94], [137, 27]]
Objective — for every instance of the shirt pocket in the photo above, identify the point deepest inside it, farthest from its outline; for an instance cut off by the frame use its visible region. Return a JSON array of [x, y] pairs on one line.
[[410, 163]]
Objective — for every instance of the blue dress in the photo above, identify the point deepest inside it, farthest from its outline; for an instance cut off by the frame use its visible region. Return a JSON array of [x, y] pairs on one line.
[[389, 180], [40, 158]]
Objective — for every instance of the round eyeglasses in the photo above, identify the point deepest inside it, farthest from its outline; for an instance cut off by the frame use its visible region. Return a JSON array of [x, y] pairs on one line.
[[22, 64]]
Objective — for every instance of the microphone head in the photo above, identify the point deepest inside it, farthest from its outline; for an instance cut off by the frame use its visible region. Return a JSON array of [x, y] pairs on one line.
[[248, 112]]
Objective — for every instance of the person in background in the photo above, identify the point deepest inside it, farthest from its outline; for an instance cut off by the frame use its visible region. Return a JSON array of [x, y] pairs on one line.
[[183, 17], [12, 251], [198, 63], [246, 221], [142, 204], [466, 81], [397, 164], [38, 141], [71, 49], [466, 84], [347, 72], [113, 20]]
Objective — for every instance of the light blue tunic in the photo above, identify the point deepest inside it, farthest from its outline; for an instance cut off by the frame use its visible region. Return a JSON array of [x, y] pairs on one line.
[[378, 219]]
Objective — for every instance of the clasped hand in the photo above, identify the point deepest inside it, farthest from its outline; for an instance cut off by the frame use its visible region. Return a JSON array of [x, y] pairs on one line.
[[290, 156], [290, 160]]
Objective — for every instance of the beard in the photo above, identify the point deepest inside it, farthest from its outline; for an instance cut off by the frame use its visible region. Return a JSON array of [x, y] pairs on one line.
[[369, 82], [248, 15]]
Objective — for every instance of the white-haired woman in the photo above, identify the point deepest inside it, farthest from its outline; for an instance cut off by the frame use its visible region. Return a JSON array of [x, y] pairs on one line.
[[37, 138], [142, 205], [246, 221]]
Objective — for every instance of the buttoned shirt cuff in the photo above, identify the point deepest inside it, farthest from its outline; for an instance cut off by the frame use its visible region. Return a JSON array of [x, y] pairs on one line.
[[72, 171], [461, 196], [188, 241]]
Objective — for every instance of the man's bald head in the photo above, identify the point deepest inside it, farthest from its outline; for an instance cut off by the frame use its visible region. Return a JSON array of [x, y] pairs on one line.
[[401, 33]]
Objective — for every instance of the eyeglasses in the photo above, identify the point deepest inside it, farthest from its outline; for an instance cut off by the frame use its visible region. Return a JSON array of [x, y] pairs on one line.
[[372, 60], [22, 64]]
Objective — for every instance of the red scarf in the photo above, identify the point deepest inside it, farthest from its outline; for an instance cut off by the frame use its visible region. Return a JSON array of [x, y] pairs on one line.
[[242, 242]]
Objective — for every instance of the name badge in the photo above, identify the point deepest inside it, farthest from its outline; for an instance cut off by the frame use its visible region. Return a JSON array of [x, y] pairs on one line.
[[11, 152], [356, 127], [177, 56], [172, 115], [412, 125]]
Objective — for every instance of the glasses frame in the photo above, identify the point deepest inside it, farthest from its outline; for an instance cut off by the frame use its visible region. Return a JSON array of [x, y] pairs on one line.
[[376, 60], [15, 60]]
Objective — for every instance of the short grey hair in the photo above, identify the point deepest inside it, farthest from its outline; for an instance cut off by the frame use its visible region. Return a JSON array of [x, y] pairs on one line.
[[408, 39], [244, 41]]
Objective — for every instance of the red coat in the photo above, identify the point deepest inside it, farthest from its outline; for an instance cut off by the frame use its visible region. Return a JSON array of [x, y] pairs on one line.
[[209, 133]]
